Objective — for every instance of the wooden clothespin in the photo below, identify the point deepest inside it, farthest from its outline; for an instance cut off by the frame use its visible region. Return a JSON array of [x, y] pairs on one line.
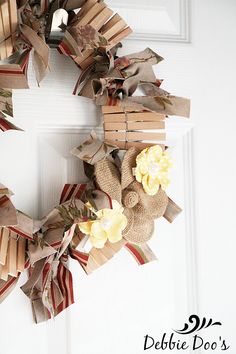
[[126, 128]]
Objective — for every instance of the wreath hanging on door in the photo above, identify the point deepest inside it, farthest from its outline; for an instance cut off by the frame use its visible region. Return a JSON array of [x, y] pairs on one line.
[[123, 197]]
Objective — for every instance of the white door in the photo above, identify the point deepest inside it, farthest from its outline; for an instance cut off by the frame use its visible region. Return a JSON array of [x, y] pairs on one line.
[[120, 303]]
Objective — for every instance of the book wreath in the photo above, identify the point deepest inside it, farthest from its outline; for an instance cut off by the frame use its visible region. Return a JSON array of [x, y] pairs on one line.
[[123, 196]]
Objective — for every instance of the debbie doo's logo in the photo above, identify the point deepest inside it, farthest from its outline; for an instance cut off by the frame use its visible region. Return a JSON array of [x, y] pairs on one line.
[[195, 340], [197, 325]]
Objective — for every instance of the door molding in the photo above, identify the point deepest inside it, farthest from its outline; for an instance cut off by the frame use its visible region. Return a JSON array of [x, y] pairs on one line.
[[182, 32], [181, 132]]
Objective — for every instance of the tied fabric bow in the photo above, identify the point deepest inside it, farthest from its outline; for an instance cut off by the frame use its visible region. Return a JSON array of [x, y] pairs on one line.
[[15, 229], [48, 245], [50, 285], [118, 84]]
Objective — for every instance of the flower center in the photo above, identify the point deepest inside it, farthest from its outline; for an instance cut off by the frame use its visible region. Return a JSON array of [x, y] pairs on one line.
[[106, 223], [153, 169]]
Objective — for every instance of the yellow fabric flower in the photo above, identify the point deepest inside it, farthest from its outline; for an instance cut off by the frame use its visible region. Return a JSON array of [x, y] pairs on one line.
[[152, 169], [108, 226]]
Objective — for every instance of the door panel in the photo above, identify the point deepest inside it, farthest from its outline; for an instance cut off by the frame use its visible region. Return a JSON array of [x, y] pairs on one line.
[[121, 288], [121, 302]]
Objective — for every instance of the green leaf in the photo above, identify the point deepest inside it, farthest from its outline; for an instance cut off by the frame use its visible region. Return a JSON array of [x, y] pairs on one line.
[[163, 100], [102, 41], [8, 109], [90, 198], [5, 93]]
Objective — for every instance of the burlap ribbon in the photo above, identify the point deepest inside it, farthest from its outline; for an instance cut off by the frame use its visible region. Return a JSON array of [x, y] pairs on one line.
[[118, 181]]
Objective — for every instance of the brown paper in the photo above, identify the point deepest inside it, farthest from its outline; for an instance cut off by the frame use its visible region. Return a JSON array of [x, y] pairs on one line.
[[8, 215], [98, 257], [172, 211], [41, 49], [92, 149], [177, 106]]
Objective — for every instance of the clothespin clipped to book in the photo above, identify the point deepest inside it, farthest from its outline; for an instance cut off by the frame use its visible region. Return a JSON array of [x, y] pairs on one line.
[[15, 229], [12, 253], [59, 20], [128, 128], [8, 26]]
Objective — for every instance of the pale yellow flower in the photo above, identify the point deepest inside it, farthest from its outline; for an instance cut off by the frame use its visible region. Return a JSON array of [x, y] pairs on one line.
[[108, 226], [152, 169]]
